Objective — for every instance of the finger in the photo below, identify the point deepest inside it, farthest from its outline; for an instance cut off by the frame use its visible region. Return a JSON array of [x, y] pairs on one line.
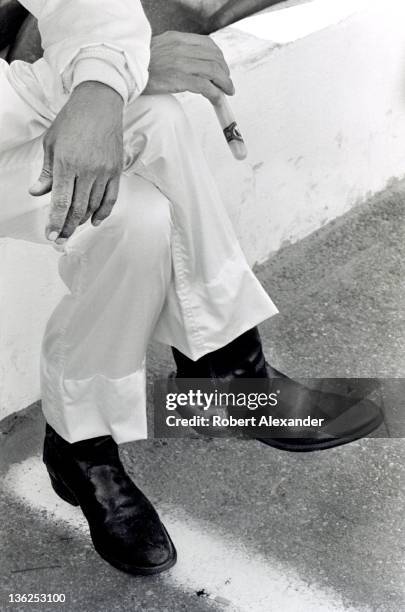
[[204, 50], [201, 41], [205, 88], [192, 46], [96, 198], [212, 71], [107, 204], [44, 183], [209, 49], [62, 193], [78, 208]]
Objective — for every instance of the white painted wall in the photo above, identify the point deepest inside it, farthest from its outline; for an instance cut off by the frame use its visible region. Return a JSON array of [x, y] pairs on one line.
[[321, 102], [322, 111]]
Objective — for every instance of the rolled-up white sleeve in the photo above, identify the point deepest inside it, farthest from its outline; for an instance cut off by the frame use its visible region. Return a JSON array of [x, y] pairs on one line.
[[95, 40]]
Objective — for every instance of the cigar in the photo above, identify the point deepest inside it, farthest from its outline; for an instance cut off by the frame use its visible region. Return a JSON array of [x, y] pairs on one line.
[[230, 128]]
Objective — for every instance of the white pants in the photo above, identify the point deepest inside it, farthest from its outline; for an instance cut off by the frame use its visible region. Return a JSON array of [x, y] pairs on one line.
[[166, 264]]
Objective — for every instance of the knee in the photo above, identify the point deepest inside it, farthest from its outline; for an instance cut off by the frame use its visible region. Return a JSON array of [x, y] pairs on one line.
[[164, 110], [135, 237], [143, 222], [151, 122]]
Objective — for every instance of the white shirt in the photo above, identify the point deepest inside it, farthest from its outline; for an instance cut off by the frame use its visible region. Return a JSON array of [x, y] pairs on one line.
[[92, 40]]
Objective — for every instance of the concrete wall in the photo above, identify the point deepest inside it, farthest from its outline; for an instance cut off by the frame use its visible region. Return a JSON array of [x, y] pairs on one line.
[[321, 102]]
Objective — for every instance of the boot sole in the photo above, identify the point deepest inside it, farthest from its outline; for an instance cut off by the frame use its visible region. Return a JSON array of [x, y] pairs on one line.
[[67, 496], [141, 571]]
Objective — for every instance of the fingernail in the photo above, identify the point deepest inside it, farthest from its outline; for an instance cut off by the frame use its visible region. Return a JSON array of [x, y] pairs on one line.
[[97, 223], [53, 236], [61, 240]]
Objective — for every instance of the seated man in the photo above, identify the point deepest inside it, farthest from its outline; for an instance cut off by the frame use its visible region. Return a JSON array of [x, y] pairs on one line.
[[147, 251]]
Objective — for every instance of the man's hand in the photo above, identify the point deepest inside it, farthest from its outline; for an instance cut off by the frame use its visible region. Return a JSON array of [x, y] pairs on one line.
[[188, 62], [83, 157]]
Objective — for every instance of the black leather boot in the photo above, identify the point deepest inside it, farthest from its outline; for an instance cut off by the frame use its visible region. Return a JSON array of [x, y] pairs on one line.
[[242, 357], [124, 526], [345, 417]]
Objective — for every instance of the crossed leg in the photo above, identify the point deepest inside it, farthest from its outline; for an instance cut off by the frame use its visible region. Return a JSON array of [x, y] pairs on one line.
[[165, 264]]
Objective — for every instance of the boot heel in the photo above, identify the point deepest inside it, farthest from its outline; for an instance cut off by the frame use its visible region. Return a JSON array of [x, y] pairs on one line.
[[62, 490]]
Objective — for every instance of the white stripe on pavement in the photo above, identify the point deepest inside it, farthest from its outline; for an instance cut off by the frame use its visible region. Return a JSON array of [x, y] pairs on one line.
[[229, 573]]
